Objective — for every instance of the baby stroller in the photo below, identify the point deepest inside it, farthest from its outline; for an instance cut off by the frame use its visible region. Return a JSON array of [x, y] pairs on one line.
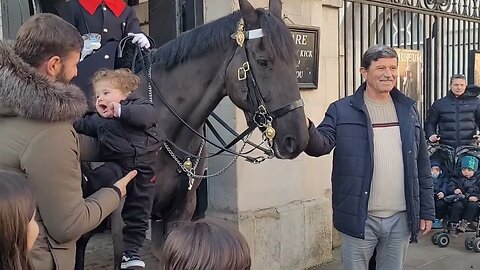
[[442, 238], [472, 242], [445, 155]]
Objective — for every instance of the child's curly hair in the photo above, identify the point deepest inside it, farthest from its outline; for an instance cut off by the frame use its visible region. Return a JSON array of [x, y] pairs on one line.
[[122, 79]]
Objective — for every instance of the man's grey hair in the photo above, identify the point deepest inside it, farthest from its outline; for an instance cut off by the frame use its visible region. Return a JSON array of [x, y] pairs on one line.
[[457, 76], [376, 52]]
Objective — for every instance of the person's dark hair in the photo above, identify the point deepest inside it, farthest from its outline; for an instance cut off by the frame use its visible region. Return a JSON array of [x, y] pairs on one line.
[[376, 52], [457, 76], [17, 208], [45, 35], [206, 245]]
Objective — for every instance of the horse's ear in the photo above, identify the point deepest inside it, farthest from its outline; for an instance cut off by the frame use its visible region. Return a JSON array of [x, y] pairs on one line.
[[249, 13], [275, 7]]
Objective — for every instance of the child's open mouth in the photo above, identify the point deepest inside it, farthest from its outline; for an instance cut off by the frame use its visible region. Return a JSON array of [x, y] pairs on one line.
[[102, 107]]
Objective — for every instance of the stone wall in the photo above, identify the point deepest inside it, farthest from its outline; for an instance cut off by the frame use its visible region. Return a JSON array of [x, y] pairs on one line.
[[1, 24]]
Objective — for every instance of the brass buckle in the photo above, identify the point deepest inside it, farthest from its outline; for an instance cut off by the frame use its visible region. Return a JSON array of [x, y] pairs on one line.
[[242, 72]]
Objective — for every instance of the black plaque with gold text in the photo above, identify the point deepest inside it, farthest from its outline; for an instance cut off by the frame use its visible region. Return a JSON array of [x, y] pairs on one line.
[[306, 41]]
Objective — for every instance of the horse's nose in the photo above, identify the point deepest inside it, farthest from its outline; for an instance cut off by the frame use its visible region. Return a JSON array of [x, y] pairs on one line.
[[290, 144]]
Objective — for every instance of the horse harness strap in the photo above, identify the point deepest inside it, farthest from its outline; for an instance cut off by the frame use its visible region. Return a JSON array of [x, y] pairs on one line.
[[152, 85]]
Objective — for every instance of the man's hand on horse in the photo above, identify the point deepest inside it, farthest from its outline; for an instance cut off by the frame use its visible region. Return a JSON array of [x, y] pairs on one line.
[[141, 39], [122, 183]]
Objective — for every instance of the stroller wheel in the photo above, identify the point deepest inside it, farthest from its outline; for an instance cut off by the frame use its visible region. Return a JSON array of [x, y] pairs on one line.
[[435, 237], [476, 245], [469, 242], [443, 240]]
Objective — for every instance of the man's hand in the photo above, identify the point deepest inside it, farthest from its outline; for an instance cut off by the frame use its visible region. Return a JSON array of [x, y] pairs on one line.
[[425, 226], [473, 199], [122, 183], [440, 195], [116, 109], [434, 138], [457, 191], [307, 121]]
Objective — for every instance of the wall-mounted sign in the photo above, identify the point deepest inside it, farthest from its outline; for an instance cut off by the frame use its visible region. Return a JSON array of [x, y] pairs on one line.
[[474, 67], [306, 40]]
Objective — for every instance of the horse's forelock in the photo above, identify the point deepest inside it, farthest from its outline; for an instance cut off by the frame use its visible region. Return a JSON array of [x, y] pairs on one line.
[[278, 38]]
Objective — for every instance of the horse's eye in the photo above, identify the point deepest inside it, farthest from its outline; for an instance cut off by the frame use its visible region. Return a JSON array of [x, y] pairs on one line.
[[262, 62]]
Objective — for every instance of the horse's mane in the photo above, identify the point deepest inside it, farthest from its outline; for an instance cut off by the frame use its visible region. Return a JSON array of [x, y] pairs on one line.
[[216, 35]]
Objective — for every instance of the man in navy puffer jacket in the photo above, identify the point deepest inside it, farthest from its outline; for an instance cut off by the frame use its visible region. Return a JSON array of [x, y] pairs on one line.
[[381, 183], [457, 115]]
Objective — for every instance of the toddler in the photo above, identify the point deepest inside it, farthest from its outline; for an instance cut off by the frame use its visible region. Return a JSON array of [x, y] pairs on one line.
[[125, 125], [466, 186]]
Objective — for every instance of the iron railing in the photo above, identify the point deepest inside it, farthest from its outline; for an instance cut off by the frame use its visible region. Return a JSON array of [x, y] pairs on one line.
[[445, 32]]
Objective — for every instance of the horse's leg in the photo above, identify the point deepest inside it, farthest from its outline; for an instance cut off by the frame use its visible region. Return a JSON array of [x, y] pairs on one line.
[[80, 252], [117, 236], [158, 238]]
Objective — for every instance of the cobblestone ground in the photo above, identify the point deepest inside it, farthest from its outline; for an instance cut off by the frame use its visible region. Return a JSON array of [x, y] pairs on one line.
[[99, 253]]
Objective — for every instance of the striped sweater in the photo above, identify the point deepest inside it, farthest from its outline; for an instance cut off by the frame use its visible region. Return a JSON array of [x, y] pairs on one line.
[[387, 193]]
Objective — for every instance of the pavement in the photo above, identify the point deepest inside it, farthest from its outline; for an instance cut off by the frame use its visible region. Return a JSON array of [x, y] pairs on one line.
[[424, 255]]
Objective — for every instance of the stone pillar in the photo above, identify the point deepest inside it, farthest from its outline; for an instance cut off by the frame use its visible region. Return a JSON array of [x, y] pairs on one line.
[[1, 24], [283, 207]]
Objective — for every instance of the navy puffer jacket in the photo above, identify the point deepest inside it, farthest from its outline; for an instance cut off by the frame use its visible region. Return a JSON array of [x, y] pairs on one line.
[[347, 127], [457, 118]]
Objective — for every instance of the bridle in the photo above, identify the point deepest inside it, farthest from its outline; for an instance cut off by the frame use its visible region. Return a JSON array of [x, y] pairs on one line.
[[257, 113]]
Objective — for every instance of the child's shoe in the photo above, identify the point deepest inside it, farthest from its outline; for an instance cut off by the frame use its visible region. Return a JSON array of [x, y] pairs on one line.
[[473, 225], [131, 260], [462, 227], [453, 229], [437, 224]]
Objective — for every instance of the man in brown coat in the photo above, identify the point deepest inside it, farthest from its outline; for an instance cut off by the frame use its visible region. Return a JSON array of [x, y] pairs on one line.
[[37, 108]]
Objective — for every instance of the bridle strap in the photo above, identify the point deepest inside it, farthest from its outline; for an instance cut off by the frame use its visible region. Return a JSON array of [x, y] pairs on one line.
[[169, 107], [287, 108]]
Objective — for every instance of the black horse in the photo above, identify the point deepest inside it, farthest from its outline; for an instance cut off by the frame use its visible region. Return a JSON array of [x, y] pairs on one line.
[[248, 56]]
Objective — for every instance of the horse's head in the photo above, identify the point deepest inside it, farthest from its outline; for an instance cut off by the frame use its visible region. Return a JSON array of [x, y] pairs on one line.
[[261, 78]]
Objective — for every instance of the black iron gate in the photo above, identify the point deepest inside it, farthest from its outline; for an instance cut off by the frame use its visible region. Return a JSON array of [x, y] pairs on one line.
[[444, 33]]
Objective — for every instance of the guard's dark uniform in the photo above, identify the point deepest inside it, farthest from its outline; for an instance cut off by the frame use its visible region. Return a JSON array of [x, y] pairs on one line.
[[104, 21], [128, 143], [113, 20]]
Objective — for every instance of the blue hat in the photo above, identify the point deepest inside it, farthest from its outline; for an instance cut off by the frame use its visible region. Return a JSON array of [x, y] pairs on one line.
[[470, 162], [434, 163]]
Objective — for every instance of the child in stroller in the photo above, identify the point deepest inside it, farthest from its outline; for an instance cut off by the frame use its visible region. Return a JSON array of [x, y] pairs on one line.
[[442, 164], [472, 208], [465, 189]]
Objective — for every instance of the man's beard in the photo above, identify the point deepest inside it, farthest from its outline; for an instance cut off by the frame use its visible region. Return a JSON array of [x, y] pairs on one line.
[[61, 77]]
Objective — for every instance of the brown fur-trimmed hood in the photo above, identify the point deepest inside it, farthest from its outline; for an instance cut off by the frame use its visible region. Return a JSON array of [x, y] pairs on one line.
[[26, 93]]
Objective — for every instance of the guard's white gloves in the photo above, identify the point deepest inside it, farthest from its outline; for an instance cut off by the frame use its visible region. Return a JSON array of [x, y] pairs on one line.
[[141, 39]]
